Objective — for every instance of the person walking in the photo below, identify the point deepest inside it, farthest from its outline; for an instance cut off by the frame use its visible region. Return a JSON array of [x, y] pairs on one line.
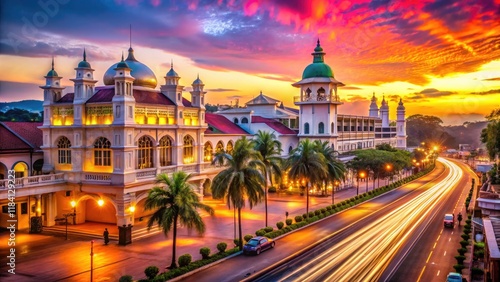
[[459, 218], [106, 236]]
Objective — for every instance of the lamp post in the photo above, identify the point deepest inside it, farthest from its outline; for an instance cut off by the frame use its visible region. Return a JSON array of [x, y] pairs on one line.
[[91, 260], [73, 204], [361, 175], [388, 167]]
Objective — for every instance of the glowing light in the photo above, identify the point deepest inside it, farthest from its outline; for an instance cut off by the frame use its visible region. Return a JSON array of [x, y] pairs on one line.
[[73, 204], [132, 208], [362, 175], [100, 202]]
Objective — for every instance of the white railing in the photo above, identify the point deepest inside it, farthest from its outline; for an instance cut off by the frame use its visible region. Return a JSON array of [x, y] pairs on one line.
[[33, 180], [189, 168], [149, 173], [97, 177], [170, 169]]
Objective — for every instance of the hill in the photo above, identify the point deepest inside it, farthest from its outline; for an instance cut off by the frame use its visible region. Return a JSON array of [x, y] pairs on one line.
[[29, 105]]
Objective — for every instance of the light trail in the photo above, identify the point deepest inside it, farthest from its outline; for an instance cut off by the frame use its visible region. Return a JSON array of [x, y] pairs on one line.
[[365, 254]]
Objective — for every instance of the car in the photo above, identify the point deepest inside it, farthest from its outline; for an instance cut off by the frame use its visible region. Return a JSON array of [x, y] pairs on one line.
[[449, 220], [454, 277], [258, 244]]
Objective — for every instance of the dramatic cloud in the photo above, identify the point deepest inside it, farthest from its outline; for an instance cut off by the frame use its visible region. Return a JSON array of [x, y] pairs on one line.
[[489, 92], [492, 79]]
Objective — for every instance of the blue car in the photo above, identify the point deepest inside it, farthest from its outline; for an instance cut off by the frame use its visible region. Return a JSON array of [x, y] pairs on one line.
[[454, 277], [257, 245]]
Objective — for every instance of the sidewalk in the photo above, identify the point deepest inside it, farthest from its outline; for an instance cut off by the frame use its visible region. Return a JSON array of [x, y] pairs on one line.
[[42, 257]]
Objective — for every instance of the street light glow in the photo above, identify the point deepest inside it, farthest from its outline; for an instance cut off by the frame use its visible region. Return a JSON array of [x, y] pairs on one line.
[[73, 204], [132, 208], [100, 202]]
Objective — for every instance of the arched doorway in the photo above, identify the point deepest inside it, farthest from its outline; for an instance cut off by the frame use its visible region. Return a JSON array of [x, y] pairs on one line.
[[37, 167], [207, 187], [3, 171], [21, 169]]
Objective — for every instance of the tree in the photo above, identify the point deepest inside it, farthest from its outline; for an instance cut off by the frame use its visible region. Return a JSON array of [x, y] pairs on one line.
[[307, 164], [336, 169], [175, 202], [491, 134], [422, 128], [269, 148], [241, 181]]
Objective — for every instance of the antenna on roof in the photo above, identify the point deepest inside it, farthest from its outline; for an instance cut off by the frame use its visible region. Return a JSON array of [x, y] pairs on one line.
[[130, 36]]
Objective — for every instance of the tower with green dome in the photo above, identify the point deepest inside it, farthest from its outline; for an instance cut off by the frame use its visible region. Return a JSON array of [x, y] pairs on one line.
[[318, 99]]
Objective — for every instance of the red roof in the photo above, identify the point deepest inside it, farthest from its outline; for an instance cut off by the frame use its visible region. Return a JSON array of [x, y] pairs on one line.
[[20, 135], [220, 124], [274, 124], [105, 95]]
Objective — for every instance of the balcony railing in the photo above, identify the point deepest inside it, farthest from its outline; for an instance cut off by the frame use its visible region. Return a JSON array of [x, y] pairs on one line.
[[97, 177], [33, 180], [316, 98]]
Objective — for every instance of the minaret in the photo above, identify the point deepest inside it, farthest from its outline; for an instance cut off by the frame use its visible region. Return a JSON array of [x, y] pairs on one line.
[[172, 89], [384, 113], [373, 107], [401, 125], [123, 100], [198, 95], [52, 92], [84, 88]]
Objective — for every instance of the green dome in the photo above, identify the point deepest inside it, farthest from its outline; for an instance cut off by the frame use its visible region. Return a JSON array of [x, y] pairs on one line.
[[52, 73], [84, 64], [317, 70]]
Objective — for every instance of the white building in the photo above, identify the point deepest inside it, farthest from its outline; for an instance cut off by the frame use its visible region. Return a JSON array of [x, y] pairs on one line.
[[109, 142]]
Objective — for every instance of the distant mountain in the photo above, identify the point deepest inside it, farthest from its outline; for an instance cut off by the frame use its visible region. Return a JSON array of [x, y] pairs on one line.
[[29, 105], [468, 133]]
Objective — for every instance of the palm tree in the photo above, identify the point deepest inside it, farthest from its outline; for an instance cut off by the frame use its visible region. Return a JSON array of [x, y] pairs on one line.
[[241, 180], [336, 169], [305, 163], [175, 202], [269, 148]]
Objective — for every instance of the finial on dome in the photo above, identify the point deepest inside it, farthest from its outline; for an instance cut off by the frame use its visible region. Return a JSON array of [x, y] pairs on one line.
[[171, 63], [318, 43], [130, 36], [122, 56], [373, 94], [52, 62], [84, 55]]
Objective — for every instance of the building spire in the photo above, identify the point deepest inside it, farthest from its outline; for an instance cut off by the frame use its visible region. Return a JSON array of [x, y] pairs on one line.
[[84, 55], [122, 56], [52, 62], [130, 36]]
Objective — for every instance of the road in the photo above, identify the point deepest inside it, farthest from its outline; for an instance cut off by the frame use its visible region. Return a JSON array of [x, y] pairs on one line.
[[437, 249], [355, 245]]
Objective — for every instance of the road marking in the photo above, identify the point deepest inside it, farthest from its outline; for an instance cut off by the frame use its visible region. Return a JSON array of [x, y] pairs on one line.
[[429, 257], [449, 240], [434, 245], [438, 272], [445, 253], [439, 236], [421, 273]]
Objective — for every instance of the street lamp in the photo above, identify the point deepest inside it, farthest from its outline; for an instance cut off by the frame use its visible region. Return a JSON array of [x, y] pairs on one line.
[[388, 167], [361, 175], [73, 204]]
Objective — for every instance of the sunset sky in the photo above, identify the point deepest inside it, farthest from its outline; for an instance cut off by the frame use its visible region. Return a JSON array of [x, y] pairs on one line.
[[442, 57]]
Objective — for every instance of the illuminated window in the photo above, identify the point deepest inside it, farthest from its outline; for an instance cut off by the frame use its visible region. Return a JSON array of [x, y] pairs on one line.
[[102, 152], [145, 153], [220, 147], [229, 147], [64, 151], [207, 152], [188, 150], [165, 151]]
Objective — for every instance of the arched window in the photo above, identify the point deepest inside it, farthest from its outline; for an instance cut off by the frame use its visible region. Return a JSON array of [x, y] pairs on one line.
[[321, 94], [102, 152], [229, 147], [332, 128], [308, 94], [207, 152], [290, 149], [165, 151], [64, 151], [306, 128], [235, 120], [321, 128], [145, 153], [219, 148], [188, 149], [244, 120]]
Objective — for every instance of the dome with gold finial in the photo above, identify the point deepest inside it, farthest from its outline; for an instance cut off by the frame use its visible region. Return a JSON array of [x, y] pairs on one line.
[[143, 75]]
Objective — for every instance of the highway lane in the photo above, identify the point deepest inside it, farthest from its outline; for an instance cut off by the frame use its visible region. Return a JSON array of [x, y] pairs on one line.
[[433, 253], [370, 248], [336, 227]]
